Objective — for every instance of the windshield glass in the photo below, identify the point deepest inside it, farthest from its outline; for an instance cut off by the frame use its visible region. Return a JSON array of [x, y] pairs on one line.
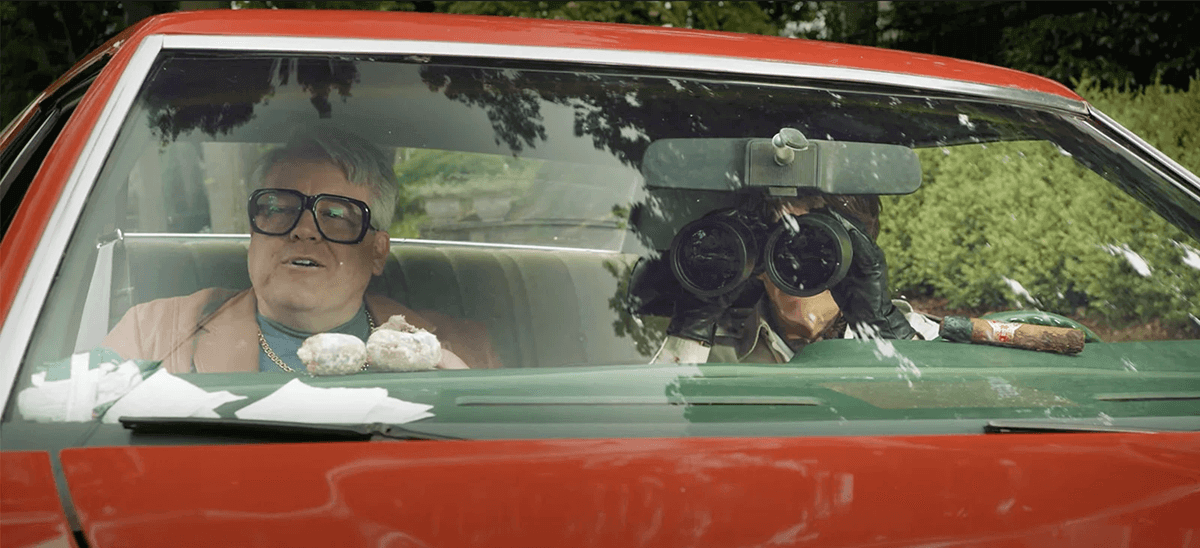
[[518, 243]]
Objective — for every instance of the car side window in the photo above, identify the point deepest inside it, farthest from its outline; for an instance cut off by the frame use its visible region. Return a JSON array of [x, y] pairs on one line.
[[21, 159]]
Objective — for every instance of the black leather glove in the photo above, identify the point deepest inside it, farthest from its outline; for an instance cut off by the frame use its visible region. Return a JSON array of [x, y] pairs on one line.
[[696, 317], [863, 294], [654, 290]]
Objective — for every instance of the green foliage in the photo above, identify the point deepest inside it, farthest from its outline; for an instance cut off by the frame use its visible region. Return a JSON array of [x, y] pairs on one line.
[[992, 216], [333, 5], [43, 39], [1118, 44], [423, 174], [1166, 118], [445, 173]]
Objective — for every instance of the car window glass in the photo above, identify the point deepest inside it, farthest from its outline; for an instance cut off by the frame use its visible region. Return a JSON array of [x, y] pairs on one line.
[[23, 155], [526, 207]]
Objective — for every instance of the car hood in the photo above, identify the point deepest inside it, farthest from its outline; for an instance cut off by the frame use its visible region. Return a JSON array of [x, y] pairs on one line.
[[845, 491]]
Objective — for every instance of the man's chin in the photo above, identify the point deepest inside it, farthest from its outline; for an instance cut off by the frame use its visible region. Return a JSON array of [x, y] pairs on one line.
[[294, 301]]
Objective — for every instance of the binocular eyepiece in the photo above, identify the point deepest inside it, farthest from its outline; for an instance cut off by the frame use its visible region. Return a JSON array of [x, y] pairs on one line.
[[802, 255]]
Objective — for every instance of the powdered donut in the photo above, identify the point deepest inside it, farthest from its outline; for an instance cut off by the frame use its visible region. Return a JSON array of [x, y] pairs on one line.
[[399, 346], [333, 354]]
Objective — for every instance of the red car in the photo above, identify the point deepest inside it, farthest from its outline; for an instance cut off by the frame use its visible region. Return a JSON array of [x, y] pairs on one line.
[[656, 252]]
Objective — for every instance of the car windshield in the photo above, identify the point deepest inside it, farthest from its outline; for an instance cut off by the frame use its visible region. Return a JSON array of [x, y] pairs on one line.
[[617, 250]]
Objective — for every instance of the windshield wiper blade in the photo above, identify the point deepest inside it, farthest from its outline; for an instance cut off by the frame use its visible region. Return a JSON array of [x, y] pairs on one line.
[[1019, 426], [274, 430]]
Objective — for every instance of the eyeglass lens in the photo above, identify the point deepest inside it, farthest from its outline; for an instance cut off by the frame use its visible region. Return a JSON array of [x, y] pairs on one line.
[[338, 219]]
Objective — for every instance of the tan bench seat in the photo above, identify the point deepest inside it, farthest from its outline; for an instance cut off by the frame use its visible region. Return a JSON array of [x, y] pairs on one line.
[[542, 307]]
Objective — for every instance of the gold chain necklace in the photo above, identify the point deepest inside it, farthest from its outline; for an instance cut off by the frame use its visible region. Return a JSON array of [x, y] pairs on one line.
[[262, 341]]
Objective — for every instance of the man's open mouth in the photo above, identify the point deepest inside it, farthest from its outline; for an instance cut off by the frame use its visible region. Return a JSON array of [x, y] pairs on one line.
[[304, 262]]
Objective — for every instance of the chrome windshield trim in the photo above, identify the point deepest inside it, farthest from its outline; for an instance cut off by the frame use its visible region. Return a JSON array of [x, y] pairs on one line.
[[35, 286], [649, 59], [1142, 146]]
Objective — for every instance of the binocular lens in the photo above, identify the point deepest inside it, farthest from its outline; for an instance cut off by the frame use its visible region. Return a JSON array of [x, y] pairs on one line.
[[712, 256], [715, 254], [810, 257]]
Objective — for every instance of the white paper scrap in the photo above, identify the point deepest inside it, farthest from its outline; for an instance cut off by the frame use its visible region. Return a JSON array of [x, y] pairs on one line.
[[81, 396], [165, 395], [299, 402], [74, 398], [394, 411], [116, 381]]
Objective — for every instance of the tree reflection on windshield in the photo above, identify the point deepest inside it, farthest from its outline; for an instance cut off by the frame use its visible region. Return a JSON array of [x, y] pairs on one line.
[[216, 96]]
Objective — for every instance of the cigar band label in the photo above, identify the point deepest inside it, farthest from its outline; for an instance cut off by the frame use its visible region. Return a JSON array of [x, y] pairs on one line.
[[1003, 332]]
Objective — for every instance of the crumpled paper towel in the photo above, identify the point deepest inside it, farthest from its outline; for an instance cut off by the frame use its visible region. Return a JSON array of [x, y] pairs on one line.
[[165, 395], [299, 402], [78, 389]]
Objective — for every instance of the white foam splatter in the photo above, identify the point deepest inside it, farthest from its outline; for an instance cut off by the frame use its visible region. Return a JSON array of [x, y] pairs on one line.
[[632, 133], [1191, 256], [789, 220], [966, 121], [905, 369], [1020, 290], [1136, 261], [1002, 388]]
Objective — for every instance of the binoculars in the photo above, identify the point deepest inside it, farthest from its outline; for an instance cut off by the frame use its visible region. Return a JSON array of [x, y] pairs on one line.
[[802, 255]]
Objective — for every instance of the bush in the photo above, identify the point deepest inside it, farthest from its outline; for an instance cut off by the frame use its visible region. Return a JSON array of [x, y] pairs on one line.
[[1022, 225]]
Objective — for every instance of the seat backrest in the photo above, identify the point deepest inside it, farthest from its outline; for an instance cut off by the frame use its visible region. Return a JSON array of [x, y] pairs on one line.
[[542, 307]]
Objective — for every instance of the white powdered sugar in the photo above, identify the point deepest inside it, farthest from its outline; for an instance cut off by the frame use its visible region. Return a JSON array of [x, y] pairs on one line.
[[333, 354], [399, 346]]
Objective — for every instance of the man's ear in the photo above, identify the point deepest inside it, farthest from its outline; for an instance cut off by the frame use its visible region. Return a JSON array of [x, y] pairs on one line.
[[382, 246]]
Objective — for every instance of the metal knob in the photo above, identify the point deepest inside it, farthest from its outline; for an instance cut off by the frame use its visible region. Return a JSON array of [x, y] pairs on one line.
[[786, 143]]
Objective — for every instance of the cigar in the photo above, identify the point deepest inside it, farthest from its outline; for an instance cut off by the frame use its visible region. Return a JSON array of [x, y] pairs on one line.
[[1061, 340]]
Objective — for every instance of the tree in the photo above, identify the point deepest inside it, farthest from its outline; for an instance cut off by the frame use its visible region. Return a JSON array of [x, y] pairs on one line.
[[42, 40], [1114, 43]]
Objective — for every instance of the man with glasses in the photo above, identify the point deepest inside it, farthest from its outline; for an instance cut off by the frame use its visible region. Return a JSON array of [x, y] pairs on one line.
[[319, 224]]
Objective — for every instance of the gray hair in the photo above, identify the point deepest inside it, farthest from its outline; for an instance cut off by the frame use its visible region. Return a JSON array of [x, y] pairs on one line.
[[363, 164]]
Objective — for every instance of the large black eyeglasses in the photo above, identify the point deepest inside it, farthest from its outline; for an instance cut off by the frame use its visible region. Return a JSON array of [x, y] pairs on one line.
[[276, 211]]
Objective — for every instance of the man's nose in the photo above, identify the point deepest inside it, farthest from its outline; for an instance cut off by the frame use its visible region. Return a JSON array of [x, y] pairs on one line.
[[306, 229]]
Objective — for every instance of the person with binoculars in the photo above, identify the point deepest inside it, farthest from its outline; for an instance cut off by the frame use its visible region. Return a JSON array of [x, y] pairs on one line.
[[761, 281]]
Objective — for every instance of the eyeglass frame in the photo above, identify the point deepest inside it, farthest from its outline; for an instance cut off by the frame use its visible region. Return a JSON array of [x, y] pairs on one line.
[[309, 204]]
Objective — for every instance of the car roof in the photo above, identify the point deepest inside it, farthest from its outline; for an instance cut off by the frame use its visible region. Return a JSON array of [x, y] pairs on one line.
[[576, 34]]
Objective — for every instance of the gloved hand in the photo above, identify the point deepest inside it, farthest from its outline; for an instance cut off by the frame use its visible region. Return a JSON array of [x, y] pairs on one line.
[[863, 294], [654, 290], [696, 317]]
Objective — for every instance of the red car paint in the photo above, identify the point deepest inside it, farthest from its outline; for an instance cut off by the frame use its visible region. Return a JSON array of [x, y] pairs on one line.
[[30, 511], [979, 491], [25, 232]]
